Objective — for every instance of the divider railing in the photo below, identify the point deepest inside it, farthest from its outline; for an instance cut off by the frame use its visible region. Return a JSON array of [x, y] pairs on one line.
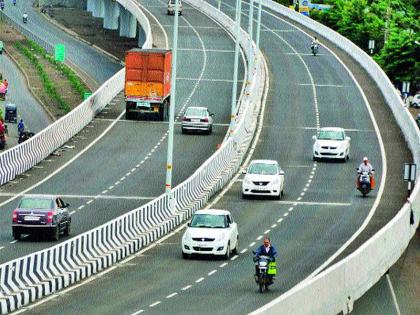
[[34, 276], [335, 289]]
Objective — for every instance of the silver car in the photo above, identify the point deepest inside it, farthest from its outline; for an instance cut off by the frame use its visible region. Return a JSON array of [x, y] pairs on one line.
[[171, 7], [197, 119]]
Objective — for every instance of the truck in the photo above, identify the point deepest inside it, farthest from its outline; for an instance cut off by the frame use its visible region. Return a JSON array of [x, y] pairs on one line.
[[147, 83]]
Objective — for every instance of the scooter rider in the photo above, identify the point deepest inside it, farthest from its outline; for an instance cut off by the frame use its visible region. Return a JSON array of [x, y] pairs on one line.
[[21, 126], [266, 249], [25, 18], [365, 166], [315, 42]]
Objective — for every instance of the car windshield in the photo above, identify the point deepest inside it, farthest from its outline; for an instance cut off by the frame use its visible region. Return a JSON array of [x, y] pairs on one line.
[[194, 111], [331, 135], [263, 169], [208, 221], [173, 2], [34, 203]]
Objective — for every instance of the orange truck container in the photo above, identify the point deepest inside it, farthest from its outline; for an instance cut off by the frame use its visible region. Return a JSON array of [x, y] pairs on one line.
[[147, 82]]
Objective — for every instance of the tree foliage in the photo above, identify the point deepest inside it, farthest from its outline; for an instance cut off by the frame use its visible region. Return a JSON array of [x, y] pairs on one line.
[[396, 21]]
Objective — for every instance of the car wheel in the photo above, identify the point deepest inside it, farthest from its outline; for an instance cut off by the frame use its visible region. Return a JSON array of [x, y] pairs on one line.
[[183, 131], [185, 255], [244, 196], [55, 233], [16, 235], [68, 229], [236, 250], [315, 159], [227, 255], [210, 131]]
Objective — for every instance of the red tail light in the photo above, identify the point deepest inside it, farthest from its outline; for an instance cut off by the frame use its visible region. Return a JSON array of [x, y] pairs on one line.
[[15, 216], [50, 216], [205, 120]]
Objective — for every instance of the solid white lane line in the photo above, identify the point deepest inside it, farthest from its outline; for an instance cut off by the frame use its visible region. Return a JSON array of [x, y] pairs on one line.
[[186, 288], [223, 265], [212, 272], [252, 244], [154, 304], [244, 250], [234, 257], [171, 295], [394, 297]]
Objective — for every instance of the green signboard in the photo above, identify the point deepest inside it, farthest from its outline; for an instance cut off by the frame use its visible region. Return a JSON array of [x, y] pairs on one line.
[[86, 95], [60, 52]]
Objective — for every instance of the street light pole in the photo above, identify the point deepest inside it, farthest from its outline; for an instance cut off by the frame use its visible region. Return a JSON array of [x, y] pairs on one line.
[[235, 67], [168, 185], [251, 33], [219, 4]]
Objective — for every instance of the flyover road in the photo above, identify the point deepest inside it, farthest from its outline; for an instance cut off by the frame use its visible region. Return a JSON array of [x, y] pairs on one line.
[[28, 108], [320, 210], [126, 168], [96, 66]]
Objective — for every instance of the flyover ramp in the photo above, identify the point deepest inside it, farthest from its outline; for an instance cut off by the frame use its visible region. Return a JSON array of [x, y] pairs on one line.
[[204, 72], [320, 211]]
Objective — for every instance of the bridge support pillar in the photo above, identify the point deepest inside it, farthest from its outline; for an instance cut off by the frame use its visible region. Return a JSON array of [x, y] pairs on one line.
[[128, 24], [98, 9], [112, 11]]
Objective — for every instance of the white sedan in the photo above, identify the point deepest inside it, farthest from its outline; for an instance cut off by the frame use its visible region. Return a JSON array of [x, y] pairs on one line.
[[263, 178], [331, 143], [211, 232]]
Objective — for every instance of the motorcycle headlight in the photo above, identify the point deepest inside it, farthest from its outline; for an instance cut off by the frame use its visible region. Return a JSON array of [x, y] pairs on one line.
[[263, 263]]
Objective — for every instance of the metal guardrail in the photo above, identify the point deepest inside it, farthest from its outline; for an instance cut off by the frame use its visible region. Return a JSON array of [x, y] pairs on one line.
[[34, 276], [335, 289]]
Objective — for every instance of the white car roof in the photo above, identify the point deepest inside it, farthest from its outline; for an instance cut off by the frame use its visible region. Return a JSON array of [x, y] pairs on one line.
[[332, 129], [213, 211], [264, 162]]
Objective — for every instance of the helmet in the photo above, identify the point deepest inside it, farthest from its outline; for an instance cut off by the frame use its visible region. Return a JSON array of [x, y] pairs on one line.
[[365, 159]]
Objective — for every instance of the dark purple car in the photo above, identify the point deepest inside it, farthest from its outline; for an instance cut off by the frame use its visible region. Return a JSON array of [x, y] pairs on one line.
[[39, 215]]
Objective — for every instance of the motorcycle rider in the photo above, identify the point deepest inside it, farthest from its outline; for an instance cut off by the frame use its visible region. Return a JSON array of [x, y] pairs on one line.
[[25, 18], [314, 43], [21, 126], [266, 249], [365, 166]]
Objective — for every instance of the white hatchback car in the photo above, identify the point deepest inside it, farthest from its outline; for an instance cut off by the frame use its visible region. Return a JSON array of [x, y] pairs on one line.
[[171, 7], [263, 178], [211, 232], [331, 143]]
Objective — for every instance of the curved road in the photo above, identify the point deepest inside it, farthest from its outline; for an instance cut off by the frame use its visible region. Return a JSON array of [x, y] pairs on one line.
[[126, 168], [320, 210], [28, 108]]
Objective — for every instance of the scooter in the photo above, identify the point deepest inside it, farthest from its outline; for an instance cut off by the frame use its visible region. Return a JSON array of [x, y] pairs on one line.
[[314, 49], [25, 18], [364, 183], [265, 269]]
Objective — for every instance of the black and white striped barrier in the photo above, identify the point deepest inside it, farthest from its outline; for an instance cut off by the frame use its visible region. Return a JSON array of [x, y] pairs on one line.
[[37, 275]]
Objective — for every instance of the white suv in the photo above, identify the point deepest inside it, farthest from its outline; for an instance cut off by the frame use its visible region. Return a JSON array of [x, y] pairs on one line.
[[171, 7], [263, 178], [211, 232]]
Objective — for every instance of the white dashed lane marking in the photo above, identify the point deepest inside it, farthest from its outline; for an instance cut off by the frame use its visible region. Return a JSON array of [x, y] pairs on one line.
[[212, 272], [223, 265], [171, 295], [154, 304], [186, 287]]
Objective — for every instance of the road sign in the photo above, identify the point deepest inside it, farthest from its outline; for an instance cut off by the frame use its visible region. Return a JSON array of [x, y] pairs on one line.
[[406, 87], [86, 95], [59, 52], [409, 172], [371, 45]]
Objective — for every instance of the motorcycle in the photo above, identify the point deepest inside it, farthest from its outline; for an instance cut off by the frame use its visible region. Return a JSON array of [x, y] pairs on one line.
[[25, 18], [25, 135], [314, 49], [265, 271], [365, 183]]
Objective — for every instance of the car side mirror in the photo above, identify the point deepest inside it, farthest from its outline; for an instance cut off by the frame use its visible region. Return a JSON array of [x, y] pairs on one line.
[[281, 172], [66, 205], [313, 137], [189, 224], [212, 114]]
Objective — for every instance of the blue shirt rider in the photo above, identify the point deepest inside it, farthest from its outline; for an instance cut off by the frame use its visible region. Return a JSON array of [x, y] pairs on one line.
[[266, 250], [21, 126]]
